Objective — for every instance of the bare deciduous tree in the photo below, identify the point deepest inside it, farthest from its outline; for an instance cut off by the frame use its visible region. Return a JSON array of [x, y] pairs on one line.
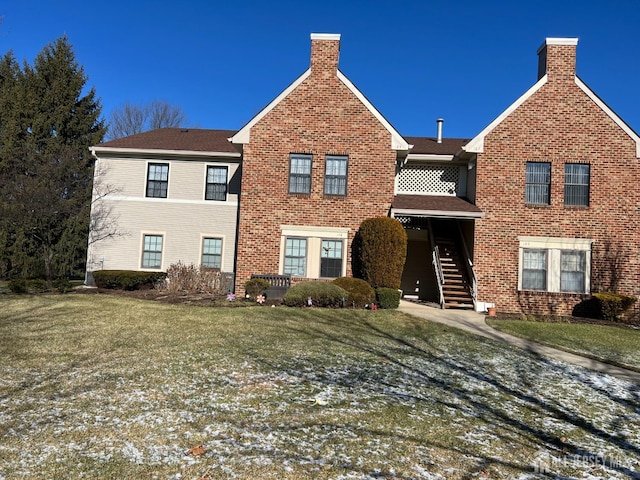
[[130, 119]]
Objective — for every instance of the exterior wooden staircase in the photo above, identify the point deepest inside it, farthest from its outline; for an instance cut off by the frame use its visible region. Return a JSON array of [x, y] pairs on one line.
[[455, 290]]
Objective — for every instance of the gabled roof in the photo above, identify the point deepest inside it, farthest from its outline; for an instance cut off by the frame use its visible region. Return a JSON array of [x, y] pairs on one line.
[[397, 142], [172, 141], [476, 145]]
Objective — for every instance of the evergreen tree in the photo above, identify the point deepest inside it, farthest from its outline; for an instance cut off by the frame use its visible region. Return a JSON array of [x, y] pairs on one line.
[[45, 164]]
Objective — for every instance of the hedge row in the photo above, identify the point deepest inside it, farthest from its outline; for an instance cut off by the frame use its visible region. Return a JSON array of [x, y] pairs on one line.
[[127, 279]]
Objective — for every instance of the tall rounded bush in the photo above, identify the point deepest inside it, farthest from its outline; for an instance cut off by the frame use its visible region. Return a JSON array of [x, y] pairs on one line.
[[379, 252], [360, 292]]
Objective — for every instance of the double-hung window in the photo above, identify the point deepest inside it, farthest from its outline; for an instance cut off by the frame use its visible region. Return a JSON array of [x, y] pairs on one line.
[[300, 173], [534, 269], [212, 252], [152, 251], [331, 259], [552, 264], [538, 183], [335, 175], [216, 188], [157, 180], [295, 257], [576, 184]]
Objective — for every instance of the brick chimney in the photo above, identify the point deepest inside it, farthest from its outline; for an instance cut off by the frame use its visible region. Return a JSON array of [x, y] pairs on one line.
[[325, 50], [557, 58]]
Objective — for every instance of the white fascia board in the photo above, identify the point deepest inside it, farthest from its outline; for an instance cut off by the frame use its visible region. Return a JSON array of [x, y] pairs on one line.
[[430, 157], [325, 36], [243, 135], [96, 151], [605, 108], [314, 231], [476, 145], [436, 213], [558, 41], [397, 142]]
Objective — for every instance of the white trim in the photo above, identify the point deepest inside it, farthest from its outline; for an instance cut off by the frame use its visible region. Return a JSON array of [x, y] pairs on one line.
[[397, 142], [217, 237], [558, 41], [605, 108], [430, 157], [243, 135], [555, 242], [476, 145], [128, 198], [160, 152], [325, 36], [436, 213], [162, 253], [313, 231]]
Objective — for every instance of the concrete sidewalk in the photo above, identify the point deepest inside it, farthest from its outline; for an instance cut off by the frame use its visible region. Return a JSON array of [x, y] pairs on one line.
[[474, 322]]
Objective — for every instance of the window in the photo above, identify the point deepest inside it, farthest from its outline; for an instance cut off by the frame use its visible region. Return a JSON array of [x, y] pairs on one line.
[[534, 270], [331, 259], [576, 184], [216, 188], [551, 264], [152, 251], [295, 257], [300, 174], [572, 269], [212, 252], [537, 183], [157, 180], [335, 176]]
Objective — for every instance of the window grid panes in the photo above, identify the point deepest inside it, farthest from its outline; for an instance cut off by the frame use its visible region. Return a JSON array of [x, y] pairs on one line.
[[335, 176], [331, 259], [534, 269], [576, 184], [157, 180], [300, 174], [152, 251], [572, 271], [216, 184], [295, 257], [212, 252], [537, 183]]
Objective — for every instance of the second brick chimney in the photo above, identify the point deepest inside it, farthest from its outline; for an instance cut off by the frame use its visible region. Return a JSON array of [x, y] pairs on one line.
[[325, 50], [557, 58]]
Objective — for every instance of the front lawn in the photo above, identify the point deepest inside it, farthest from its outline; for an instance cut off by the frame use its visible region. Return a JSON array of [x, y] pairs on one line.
[[618, 345], [96, 386]]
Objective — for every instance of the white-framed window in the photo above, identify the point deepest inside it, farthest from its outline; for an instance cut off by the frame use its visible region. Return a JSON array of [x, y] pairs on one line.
[[313, 252], [300, 173], [295, 257], [335, 175], [152, 251], [538, 183], [553, 264], [211, 252], [216, 184], [576, 184], [157, 180]]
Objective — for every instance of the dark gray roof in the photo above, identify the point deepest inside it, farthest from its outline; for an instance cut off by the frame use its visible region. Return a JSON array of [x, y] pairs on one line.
[[194, 139]]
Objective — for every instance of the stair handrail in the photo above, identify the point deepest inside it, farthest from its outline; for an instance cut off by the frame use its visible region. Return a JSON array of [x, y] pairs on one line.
[[437, 265], [469, 266]]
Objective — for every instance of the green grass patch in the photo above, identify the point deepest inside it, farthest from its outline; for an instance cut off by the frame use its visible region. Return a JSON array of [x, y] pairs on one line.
[[99, 386], [617, 345]]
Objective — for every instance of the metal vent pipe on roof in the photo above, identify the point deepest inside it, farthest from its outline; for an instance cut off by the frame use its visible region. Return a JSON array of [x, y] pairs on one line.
[[440, 121]]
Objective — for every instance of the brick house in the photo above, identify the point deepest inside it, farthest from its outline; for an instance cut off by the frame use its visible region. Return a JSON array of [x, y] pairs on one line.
[[525, 215]]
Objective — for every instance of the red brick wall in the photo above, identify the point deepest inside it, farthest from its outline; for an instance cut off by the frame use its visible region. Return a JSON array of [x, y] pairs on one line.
[[558, 124], [321, 116]]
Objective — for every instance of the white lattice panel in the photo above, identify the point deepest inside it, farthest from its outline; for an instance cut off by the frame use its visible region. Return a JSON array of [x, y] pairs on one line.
[[429, 179]]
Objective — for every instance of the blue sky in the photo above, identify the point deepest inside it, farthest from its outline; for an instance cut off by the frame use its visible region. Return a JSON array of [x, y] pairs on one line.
[[463, 60]]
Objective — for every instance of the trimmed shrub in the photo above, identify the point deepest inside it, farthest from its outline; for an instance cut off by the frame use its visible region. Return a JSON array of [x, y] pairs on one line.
[[192, 278], [322, 294], [360, 292], [17, 285], [612, 305], [63, 285], [127, 279], [388, 298], [37, 285], [379, 252], [256, 286]]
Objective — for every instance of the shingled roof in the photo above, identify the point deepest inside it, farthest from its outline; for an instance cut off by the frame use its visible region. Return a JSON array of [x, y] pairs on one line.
[[453, 206], [429, 145], [191, 139]]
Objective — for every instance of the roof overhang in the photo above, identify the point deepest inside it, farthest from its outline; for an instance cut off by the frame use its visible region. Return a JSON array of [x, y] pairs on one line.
[[430, 157], [435, 213], [149, 152]]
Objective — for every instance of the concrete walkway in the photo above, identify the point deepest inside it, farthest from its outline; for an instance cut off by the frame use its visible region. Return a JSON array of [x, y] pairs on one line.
[[474, 322]]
